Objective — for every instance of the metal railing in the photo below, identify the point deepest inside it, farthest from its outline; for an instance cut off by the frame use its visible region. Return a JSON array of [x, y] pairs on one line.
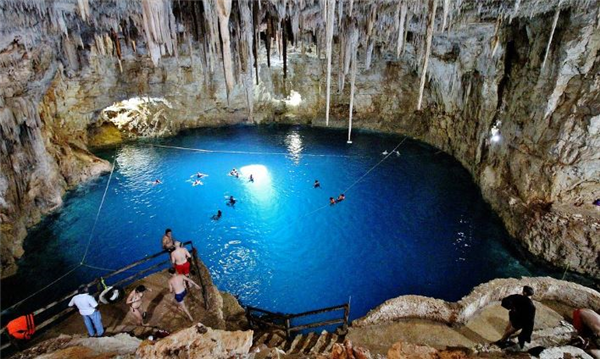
[[260, 318], [59, 309]]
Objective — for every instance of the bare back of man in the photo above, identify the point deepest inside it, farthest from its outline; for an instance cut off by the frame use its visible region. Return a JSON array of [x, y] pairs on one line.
[[180, 256]]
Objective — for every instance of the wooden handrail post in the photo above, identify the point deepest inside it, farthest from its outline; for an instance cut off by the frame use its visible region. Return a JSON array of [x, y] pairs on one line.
[[346, 316]]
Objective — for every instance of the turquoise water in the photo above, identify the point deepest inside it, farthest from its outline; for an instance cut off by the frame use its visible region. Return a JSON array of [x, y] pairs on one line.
[[415, 224]]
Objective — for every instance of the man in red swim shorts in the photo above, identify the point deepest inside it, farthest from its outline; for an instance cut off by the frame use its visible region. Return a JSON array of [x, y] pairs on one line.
[[180, 257]]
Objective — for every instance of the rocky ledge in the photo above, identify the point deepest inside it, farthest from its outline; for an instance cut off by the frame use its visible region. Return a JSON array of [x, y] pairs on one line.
[[406, 327], [517, 106], [414, 306]]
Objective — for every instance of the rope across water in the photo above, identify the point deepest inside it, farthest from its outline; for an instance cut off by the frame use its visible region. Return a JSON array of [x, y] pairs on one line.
[[248, 152], [82, 262]]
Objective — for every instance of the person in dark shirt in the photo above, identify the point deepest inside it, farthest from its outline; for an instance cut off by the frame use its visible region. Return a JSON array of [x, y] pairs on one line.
[[521, 316]]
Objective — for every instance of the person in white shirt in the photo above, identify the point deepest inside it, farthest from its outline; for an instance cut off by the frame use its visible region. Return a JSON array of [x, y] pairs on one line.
[[87, 306]]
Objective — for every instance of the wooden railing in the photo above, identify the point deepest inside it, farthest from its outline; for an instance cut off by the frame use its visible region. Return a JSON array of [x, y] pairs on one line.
[[59, 309], [260, 318]]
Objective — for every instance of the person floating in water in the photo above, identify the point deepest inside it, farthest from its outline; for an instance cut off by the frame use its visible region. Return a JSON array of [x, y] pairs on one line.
[[157, 181], [217, 216], [231, 201], [331, 201], [234, 173], [251, 179], [200, 175], [197, 182], [341, 197], [317, 184]]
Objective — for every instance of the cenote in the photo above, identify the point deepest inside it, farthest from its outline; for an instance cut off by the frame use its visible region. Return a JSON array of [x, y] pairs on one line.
[[414, 224]]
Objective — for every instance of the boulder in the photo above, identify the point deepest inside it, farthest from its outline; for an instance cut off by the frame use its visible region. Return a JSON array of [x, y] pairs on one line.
[[403, 350], [564, 352]]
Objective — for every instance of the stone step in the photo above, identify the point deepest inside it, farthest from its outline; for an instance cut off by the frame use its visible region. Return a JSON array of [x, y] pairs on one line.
[[333, 338], [310, 345], [305, 345], [276, 341], [321, 343], [262, 339], [293, 346]]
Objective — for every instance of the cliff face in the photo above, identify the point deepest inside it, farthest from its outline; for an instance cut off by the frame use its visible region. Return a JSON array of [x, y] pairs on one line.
[[528, 134]]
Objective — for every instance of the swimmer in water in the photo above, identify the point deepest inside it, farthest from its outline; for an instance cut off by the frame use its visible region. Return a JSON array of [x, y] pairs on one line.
[[157, 182], [200, 175], [331, 201], [197, 182], [231, 201], [251, 178], [234, 173], [217, 216], [341, 197], [317, 184]]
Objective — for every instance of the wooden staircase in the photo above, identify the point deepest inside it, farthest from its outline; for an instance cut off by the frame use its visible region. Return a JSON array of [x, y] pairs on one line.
[[278, 330], [307, 344]]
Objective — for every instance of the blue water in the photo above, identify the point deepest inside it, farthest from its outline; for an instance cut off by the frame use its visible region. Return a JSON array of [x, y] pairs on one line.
[[416, 224]]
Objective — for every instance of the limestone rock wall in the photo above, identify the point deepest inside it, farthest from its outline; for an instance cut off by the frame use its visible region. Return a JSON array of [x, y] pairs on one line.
[[484, 75], [42, 153], [414, 306]]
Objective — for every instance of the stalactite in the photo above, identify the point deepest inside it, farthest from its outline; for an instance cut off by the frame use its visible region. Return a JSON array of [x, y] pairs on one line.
[[556, 15], [496, 37], [114, 37], [268, 39], [84, 9], [430, 27], [256, 36], [295, 25], [329, 39], [515, 10], [223, 12], [284, 41], [369, 56], [353, 40], [70, 54], [405, 35], [190, 48], [446, 8], [160, 28], [340, 12], [211, 22], [247, 51], [403, 9], [117, 44], [370, 42], [341, 59]]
